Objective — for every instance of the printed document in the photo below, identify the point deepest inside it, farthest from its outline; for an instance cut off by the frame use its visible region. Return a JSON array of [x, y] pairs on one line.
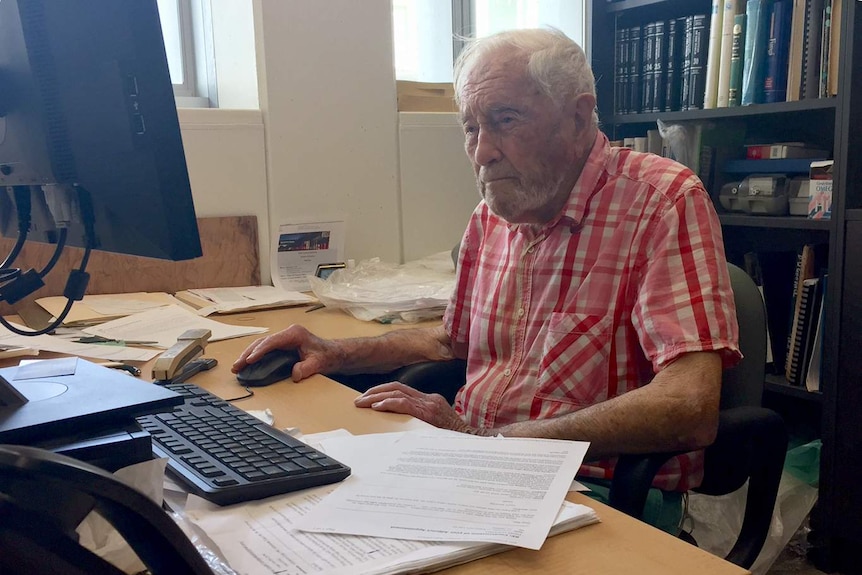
[[299, 248], [261, 537], [448, 487]]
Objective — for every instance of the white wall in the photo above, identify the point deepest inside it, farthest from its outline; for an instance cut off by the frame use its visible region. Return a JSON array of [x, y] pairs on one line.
[[438, 190], [327, 93], [225, 154], [327, 140]]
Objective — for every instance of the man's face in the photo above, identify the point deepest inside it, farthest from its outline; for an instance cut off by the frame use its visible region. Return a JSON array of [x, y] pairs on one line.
[[521, 144]]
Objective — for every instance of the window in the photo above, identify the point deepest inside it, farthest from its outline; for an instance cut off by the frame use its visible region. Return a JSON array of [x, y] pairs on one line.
[[426, 32], [183, 30]]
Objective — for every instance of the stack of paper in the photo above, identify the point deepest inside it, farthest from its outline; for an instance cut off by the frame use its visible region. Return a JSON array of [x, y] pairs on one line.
[[416, 502], [164, 325], [238, 299], [94, 309]]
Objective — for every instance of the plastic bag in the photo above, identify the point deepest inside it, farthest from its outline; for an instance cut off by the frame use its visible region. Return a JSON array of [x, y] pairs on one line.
[[98, 535], [682, 141], [715, 521], [390, 293]]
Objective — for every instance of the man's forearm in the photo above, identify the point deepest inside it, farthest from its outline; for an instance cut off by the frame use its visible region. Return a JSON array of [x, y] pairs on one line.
[[393, 350], [677, 411]]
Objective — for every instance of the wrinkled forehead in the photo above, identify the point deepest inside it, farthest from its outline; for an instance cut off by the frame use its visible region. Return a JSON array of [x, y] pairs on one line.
[[494, 77]]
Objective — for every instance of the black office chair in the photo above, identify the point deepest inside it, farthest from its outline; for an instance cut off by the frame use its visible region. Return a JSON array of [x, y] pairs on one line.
[[43, 498], [751, 443]]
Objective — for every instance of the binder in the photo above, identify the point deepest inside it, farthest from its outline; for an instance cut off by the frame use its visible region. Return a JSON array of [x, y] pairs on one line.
[[810, 296]]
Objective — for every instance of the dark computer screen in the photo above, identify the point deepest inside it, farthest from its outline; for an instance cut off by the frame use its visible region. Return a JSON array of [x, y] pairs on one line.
[[88, 121]]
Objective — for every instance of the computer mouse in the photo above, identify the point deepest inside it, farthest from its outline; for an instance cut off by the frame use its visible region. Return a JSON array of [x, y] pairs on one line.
[[274, 366]]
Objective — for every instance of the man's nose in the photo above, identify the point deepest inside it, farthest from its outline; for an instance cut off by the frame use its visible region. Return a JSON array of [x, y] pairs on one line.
[[487, 148]]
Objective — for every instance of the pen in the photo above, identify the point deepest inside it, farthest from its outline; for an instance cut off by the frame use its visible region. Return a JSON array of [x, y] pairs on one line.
[[97, 339], [124, 366]]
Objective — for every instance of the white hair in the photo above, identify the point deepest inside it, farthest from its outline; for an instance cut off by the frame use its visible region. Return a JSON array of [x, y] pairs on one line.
[[556, 63]]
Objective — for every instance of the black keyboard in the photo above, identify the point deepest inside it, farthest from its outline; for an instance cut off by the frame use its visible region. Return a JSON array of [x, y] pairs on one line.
[[226, 455]]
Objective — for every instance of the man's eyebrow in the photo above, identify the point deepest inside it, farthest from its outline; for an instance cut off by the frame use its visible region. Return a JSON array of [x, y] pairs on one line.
[[503, 109]]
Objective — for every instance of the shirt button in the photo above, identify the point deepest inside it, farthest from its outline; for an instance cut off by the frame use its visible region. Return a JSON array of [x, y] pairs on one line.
[[521, 312], [508, 372], [530, 249]]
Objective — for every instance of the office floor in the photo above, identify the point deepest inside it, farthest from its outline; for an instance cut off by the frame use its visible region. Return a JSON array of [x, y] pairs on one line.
[[791, 563]]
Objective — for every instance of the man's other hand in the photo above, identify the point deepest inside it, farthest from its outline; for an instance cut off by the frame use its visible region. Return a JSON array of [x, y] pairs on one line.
[[399, 398]]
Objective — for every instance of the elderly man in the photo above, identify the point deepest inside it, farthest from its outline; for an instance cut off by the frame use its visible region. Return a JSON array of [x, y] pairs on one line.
[[592, 300]]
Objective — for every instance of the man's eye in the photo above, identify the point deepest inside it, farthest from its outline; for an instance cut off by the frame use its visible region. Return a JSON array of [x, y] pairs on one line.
[[469, 130], [506, 120]]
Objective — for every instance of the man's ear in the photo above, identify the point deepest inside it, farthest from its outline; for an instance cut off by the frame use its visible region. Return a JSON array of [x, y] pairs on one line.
[[582, 110]]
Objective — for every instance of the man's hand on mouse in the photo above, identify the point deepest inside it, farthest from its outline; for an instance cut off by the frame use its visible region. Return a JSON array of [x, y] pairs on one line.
[[317, 355]]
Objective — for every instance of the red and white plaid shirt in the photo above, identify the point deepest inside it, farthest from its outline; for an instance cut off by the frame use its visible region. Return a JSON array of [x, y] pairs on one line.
[[630, 275]]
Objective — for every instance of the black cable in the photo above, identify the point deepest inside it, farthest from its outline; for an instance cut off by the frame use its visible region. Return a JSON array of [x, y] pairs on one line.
[[246, 396], [24, 210], [58, 251], [76, 285]]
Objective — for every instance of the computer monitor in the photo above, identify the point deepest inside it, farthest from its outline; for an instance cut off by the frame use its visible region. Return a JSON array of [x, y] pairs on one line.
[[87, 107]]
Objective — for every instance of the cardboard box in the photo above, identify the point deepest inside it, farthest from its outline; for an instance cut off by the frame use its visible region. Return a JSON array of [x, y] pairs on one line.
[[426, 97], [820, 191]]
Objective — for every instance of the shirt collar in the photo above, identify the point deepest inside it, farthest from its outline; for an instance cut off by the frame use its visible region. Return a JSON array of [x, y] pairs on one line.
[[574, 211]]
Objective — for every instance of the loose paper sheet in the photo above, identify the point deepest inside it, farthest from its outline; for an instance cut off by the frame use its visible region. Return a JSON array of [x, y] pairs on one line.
[[165, 324], [105, 307], [449, 487], [299, 248], [64, 346], [235, 299]]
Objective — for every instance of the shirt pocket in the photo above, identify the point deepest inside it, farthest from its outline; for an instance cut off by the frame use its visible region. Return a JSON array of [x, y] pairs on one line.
[[575, 367]]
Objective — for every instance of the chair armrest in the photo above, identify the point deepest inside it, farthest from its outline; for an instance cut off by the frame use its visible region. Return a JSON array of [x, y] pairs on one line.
[[443, 377], [633, 477], [751, 444]]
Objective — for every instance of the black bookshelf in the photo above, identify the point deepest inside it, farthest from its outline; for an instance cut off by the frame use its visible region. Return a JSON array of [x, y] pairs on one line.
[[829, 123]]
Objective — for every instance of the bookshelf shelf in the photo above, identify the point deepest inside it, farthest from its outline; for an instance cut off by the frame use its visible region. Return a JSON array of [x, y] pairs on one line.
[[808, 107], [782, 222], [777, 384], [627, 5]]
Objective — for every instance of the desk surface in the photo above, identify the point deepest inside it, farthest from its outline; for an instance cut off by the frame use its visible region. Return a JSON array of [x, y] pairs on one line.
[[618, 544]]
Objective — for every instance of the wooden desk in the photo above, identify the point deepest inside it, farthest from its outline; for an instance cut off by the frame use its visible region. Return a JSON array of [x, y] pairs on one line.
[[617, 545]]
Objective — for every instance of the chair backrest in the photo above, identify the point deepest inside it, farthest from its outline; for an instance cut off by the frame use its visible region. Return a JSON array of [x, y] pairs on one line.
[[44, 496], [743, 384]]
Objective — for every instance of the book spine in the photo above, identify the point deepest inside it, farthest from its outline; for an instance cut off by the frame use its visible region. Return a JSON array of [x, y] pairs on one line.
[[621, 51], [699, 47], [659, 64], [825, 41], [712, 59], [734, 91], [648, 61], [777, 48], [797, 42], [728, 14], [754, 53], [673, 77], [686, 62], [811, 55], [635, 65], [834, 49]]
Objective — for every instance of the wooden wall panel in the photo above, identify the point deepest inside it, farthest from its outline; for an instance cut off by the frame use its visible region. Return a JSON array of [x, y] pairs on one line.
[[230, 258]]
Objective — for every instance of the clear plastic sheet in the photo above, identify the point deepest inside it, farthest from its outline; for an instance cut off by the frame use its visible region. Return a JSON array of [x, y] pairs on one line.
[[373, 290]]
